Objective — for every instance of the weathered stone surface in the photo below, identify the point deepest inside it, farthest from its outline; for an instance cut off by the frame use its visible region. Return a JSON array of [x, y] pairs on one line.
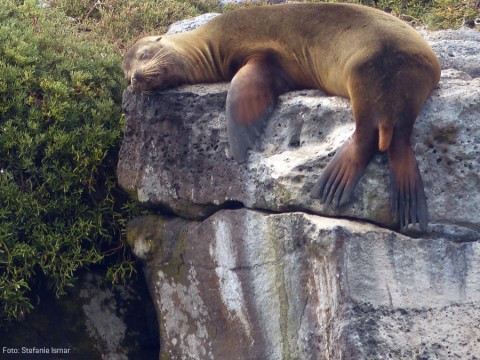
[[190, 24], [245, 284], [458, 49], [227, 2], [258, 272], [176, 155]]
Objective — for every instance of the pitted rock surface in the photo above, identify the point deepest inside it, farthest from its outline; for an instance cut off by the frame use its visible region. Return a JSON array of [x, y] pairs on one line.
[[176, 156]]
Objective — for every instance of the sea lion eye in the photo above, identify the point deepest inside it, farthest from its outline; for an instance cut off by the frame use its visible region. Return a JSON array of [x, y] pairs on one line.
[[144, 55]]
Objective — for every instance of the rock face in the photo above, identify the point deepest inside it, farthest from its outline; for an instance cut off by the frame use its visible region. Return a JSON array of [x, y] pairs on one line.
[[244, 265], [245, 284]]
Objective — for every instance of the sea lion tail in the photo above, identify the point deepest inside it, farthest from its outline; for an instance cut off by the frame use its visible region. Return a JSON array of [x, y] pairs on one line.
[[385, 132]]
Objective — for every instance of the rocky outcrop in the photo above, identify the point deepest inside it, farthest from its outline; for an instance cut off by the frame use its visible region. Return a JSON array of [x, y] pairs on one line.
[[242, 262], [175, 154], [245, 284]]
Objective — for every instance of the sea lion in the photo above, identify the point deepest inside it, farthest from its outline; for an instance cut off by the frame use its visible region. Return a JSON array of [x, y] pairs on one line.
[[379, 62]]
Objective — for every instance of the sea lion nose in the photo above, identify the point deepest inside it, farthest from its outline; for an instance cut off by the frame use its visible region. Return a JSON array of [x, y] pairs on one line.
[[133, 80], [136, 78]]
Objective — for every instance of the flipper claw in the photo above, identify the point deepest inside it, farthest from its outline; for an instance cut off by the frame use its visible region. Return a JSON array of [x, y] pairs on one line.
[[338, 180]]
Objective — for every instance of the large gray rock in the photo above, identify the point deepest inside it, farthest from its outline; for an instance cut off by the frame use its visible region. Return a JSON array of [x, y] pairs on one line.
[[458, 49], [245, 284], [190, 24], [176, 156], [273, 277]]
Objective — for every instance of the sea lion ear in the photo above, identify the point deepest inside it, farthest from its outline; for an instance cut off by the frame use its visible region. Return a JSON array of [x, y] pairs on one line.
[[250, 100], [158, 38]]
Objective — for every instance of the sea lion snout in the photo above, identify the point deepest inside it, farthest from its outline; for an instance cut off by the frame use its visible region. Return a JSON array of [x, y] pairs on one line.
[[139, 81], [135, 78]]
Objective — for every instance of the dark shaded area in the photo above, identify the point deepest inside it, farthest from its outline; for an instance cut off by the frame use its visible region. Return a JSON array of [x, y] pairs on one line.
[[62, 323]]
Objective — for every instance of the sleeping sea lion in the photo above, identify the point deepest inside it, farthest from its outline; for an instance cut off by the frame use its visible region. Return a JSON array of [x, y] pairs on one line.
[[379, 62]]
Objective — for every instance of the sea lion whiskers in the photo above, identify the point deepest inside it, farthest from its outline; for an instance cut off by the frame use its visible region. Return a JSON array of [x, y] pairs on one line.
[[157, 58], [160, 54], [154, 70]]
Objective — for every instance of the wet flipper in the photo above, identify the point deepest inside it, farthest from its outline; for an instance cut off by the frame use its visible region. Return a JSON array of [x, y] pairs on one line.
[[409, 203], [250, 101]]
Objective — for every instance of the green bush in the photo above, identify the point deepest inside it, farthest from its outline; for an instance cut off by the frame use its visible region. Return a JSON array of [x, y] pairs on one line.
[[60, 130], [122, 21], [454, 13], [436, 14]]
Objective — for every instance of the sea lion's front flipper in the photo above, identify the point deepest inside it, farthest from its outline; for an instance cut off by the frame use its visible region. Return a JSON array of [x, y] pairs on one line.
[[409, 203], [250, 101], [338, 180]]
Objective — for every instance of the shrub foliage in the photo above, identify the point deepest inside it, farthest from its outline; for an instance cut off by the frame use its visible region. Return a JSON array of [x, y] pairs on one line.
[[121, 21], [59, 136]]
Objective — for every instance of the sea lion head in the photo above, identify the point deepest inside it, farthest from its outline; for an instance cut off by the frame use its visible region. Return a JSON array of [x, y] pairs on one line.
[[151, 64]]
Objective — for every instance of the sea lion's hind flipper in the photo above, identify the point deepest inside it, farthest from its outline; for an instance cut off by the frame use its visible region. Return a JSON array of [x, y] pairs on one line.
[[250, 101], [409, 203], [338, 180]]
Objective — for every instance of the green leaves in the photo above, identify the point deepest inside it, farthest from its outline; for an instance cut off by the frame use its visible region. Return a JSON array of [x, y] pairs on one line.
[[60, 131]]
